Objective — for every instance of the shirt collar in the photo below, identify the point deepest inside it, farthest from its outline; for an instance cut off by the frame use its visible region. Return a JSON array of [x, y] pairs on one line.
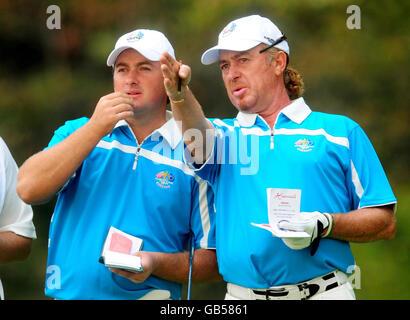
[[169, 130], [297, 111]]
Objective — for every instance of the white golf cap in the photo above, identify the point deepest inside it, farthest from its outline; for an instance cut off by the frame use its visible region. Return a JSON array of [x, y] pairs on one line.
[[245, 33], [150, 43]]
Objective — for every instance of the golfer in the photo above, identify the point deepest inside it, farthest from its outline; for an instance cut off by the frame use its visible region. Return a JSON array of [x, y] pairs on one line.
[[321, 167], [123, 168]]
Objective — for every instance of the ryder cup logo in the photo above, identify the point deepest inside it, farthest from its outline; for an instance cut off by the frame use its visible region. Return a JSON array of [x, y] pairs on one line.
[[164, 179], [304, 145], [135, 37], [228, 30]]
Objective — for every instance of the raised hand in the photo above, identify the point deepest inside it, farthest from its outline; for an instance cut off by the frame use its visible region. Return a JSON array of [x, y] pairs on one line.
[[110, 109], [173, 72]]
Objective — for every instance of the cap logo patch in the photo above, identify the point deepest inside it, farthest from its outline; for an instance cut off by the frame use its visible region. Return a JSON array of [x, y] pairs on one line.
[[228, 30], [135, 37]]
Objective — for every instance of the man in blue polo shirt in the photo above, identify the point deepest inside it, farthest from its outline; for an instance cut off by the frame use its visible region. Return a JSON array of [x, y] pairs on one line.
[[123, 168], [312, 179]]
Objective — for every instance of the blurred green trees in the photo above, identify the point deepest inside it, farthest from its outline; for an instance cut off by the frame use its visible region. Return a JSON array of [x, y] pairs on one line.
[[50, 76]]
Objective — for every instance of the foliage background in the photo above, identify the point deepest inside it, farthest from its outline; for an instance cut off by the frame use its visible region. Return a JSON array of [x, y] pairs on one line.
[[50, 76]]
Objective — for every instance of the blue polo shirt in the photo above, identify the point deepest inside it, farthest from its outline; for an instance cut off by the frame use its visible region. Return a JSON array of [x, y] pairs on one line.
[[145, 190], [328, 157]]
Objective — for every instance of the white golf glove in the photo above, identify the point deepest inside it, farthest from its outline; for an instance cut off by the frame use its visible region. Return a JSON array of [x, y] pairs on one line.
[[312, 223]]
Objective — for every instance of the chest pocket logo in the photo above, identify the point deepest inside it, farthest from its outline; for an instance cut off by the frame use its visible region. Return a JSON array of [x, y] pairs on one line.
[[304, 145], [164, 179]]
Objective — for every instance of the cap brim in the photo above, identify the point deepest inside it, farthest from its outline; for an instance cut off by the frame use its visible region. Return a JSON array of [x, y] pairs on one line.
[[212, 55], [149, 54]]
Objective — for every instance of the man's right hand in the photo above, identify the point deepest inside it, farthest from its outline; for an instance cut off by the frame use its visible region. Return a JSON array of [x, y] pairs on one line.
[[110, 109], [172, 72], [44, 173]]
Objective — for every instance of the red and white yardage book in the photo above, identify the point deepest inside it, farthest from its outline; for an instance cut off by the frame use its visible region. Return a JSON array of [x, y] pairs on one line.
[[118, 250]]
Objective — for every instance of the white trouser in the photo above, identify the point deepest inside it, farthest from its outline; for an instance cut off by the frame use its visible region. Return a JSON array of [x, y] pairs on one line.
[[343, 290]]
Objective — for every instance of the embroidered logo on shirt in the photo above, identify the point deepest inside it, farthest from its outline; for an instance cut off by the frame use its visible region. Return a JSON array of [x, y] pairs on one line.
[[164, 179], [304, 145]]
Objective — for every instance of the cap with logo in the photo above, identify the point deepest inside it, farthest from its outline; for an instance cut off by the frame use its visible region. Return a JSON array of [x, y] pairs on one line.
[[245, 33], [150, 43]]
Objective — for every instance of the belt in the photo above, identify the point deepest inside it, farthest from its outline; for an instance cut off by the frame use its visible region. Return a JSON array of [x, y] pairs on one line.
[[299, 291]]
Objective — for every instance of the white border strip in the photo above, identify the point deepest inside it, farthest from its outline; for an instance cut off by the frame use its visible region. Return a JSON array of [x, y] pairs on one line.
[[284, 131], [115, 144], [204, 211], [356, 181], [317, 132], [153, 156]]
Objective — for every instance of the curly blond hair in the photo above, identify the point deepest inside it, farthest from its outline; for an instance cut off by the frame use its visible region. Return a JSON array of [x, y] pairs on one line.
[[292, 79]]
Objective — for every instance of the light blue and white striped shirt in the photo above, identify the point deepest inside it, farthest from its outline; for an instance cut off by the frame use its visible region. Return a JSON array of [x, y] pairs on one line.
[[145, 190], [328, 157]]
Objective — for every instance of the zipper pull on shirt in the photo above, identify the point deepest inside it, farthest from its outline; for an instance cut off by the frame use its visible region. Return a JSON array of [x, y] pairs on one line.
[[271, 139], [136, 158], [272, 130]]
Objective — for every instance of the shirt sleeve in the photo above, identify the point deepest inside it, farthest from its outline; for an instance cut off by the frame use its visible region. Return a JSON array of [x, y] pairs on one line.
[[65, 130], [203, 215], [15, 215], [62, 133], [369, 184], [208, 170]]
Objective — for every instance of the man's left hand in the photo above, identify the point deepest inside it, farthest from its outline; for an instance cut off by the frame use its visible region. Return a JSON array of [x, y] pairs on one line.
[[147, 262], [313, 223]]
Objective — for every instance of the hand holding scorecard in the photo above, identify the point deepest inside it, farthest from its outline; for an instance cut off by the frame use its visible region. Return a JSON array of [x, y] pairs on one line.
[[118, 251]]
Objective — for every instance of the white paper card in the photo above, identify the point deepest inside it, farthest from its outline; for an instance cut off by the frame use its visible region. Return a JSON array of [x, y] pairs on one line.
[[114, 259], [119, 248], [283, 204]]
